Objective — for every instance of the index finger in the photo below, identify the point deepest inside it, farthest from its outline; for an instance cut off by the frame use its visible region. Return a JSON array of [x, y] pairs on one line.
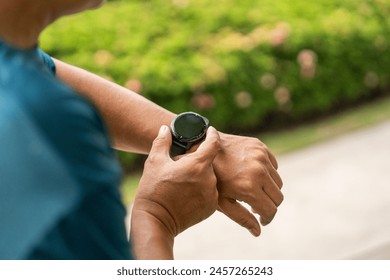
[[210, 147], [272, 159]]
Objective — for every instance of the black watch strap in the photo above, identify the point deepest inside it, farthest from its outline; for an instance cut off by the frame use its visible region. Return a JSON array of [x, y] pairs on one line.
[[177, 149]]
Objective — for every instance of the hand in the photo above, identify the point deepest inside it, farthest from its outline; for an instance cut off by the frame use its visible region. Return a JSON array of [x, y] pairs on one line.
[[247, 172], [173, 195]]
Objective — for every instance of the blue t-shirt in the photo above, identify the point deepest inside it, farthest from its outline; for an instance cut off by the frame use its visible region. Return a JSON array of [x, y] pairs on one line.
[[59, 177]]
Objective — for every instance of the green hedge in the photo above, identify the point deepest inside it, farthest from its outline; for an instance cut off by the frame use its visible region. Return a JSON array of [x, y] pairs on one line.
[[237, 62]]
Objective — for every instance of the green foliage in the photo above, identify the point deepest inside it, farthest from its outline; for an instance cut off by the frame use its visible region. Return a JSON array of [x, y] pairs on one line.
[[237, 62]]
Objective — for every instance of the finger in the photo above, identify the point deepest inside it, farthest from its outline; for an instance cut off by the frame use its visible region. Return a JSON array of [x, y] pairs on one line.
[[240, 215], [273, 191], [275, 176], [265, 207], [209, 148], [272, 159], [163, 141]]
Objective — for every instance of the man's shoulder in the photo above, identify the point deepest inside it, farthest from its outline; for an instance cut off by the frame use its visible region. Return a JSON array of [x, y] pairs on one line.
[[26, 80], [64, 119]]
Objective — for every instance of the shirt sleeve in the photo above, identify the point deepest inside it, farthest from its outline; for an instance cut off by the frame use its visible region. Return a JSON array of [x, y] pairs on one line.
[[48, 61]]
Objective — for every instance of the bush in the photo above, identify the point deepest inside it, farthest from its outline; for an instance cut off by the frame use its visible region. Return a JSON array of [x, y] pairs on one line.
[[238, 63]]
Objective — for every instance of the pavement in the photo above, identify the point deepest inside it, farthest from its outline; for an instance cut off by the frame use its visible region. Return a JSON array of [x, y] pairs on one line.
[[337, 206]]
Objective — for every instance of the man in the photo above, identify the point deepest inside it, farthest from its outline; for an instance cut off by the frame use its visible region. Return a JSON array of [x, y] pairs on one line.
[[59, 176]]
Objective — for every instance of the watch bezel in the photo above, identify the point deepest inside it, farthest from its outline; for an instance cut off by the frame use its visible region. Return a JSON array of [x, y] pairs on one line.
[[195, 138]]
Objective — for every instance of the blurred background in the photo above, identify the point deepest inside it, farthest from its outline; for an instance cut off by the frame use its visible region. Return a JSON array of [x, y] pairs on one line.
[[311, 79]]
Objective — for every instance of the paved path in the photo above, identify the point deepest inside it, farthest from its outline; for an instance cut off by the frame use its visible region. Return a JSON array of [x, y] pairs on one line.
[[337, 206]]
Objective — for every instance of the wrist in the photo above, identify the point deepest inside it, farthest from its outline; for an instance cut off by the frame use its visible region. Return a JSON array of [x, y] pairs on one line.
[[221, 155], [224, 170], [150, 238]]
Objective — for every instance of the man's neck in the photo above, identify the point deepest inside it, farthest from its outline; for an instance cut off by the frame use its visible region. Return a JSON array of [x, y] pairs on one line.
[[21, 22]]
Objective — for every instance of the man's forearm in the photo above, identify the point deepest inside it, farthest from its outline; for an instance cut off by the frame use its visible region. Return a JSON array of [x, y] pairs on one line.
[[149, 238], [133, 121]]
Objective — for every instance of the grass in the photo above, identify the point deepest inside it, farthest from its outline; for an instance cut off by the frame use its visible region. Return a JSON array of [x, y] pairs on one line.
[[295, 138], [359, 117]]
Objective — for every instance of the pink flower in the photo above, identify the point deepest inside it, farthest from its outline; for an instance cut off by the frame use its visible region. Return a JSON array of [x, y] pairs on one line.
[[243, 99], [268, 81], [134, 85], [279, 34], [282, 95], [371, 80], [203, 101], [103, 58], [307, 60]]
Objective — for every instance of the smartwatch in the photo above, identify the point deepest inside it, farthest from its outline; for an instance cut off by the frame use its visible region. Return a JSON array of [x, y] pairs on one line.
[[187, 129]]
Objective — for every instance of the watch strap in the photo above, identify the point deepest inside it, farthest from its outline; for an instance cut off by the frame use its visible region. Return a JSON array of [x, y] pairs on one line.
[[177, 148]]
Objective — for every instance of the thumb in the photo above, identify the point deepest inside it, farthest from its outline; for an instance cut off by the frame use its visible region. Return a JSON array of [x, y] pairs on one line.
[[210, 147], [163, 141]]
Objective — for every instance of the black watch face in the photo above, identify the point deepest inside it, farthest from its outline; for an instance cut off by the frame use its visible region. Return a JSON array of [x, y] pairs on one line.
[[189, 126]]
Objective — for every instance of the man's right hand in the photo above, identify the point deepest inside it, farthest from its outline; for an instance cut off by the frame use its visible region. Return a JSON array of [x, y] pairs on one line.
[[173, 195]]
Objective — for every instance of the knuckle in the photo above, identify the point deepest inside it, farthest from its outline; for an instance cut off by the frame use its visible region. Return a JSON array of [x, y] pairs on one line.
[[260, 145], [245, 185], [280, 183], [246, 190], [270, 214], [255, 141], [215, 141], [262, 156], [261, 170], [281, 199], [256, 167], [151, 160]]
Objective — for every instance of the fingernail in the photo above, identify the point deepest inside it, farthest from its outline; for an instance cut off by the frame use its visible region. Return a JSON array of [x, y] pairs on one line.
[[163, 129]]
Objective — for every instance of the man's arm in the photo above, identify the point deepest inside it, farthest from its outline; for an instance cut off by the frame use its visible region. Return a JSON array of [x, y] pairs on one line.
[[246, 170], [133, 121]]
